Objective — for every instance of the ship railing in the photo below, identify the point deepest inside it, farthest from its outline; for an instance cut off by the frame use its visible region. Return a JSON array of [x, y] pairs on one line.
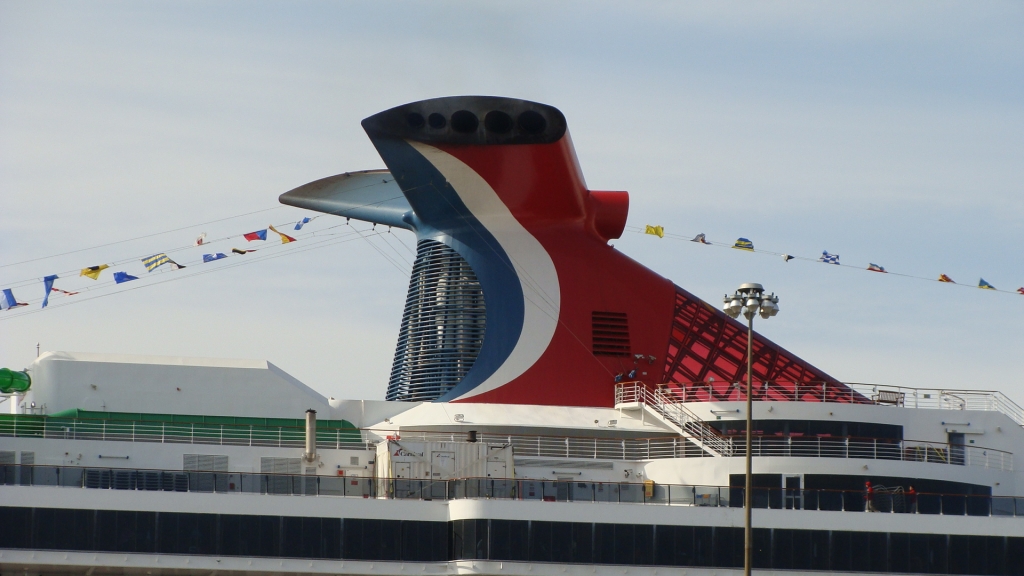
[[873, 449], [848, 393], [637, 394], [537, 446], [569, 447], [893, 500], [179, 433]]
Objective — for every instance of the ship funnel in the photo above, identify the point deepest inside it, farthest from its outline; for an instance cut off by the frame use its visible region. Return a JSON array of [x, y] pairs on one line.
[[516, 295], [310, 454]]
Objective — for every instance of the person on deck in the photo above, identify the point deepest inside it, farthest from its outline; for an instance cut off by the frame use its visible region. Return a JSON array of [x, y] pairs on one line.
[[912, 500], [869, 497]]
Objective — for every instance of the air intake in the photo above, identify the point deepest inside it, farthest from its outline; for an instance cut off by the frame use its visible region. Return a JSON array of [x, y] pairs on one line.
[[610, 334], [442, 327]]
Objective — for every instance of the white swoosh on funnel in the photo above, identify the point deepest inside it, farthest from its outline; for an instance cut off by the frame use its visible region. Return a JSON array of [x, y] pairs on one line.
[[533, 265]]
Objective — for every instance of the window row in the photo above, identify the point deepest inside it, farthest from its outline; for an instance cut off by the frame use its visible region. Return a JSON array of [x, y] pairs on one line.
[[503, 540], [722, 547]]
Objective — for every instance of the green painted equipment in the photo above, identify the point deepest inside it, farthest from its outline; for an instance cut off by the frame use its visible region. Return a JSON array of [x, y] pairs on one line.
[[12, 382]]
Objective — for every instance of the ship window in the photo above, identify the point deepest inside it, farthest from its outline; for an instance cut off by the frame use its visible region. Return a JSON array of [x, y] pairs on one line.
[[839, 551], [808, 433], [499, 539], [563, 542], [728, 547], [762, 548], [643, 545], [540, 541], [860, 543], [582, 543], [703, 536], [898, 552], [782, 549], [519, 537], [624, 544], [418, 542], [610, 334], [268, 538], [469, 539], [604, 544]]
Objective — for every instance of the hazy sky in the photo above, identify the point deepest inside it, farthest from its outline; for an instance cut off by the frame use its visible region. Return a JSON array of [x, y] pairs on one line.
[[884, 132]]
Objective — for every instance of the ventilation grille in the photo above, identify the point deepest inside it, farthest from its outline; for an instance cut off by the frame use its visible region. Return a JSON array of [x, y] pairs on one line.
[[442, 327], [270, 465], [573, 464], [28, 458], [610, 334], [205, 462], [7, 456]]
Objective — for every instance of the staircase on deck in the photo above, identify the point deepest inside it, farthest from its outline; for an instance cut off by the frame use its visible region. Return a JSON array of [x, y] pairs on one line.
[[637, 396]]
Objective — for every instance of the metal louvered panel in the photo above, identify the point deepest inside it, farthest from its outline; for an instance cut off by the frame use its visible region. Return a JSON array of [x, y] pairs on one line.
[[442, 327], [610, 334], [205, 462], [272, 465]]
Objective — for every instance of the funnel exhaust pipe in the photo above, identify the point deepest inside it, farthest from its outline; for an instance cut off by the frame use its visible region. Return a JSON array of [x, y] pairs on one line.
[[310, 454]]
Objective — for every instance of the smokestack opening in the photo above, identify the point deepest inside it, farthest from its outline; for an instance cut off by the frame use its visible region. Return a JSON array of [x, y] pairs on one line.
[[532, 122], [415, 120], [465, 121], [498, 122], [436, 121], [310, 454]]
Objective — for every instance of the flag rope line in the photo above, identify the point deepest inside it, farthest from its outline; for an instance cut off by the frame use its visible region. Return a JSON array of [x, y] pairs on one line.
[[278, 207], [322, 244], [22, 283], [141, 237], [642, 231], [108, 283], [30, 281]]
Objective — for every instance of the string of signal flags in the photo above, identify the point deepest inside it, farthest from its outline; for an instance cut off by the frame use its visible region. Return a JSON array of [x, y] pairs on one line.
[[136, 268], [825, 258]]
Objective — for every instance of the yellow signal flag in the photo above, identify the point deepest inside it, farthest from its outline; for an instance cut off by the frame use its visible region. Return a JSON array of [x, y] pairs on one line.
[[944, 278], [94, 271], [284, 237], [658, 231], [743, 244]]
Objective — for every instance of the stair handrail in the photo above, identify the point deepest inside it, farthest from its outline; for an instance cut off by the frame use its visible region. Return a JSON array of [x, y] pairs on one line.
[[675, 412]]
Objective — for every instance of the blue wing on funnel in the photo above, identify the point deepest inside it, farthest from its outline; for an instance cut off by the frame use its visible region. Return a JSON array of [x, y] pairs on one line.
[[369, 195]]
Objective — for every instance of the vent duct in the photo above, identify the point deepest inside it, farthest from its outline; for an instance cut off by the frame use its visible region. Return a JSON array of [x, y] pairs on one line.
[[442, 326], [610, 334]]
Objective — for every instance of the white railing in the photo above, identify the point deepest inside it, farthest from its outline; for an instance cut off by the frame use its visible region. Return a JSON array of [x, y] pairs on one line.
[[851, 392], [675, 413], [179, 433], [665, 404], [943, 399], [580, 448], [874, 449]]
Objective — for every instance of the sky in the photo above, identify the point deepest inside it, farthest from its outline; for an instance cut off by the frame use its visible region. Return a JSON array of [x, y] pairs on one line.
[[888, 133]]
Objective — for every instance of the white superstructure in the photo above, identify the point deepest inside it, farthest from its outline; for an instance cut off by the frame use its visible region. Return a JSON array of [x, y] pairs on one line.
[[120, 464]]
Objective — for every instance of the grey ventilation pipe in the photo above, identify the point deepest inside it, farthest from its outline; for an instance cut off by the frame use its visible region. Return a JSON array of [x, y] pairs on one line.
[[310, 454]]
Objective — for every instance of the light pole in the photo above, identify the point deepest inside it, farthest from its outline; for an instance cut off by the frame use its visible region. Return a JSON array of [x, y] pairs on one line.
[[749, 299]]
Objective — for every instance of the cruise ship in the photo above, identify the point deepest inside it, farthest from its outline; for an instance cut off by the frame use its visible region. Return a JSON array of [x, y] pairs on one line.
[[553, 408]]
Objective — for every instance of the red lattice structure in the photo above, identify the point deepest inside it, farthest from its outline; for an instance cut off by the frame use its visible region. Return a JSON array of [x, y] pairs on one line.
[[707, 361]]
